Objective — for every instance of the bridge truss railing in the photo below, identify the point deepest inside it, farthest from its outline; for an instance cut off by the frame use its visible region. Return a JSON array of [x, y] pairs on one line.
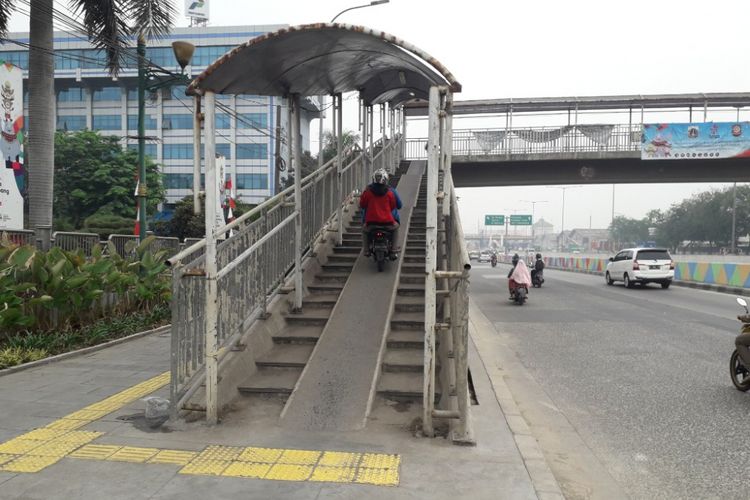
[[537, 140], [253, 264]]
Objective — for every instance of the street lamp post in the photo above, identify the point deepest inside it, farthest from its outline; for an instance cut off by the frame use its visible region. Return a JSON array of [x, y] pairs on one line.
[[533, 206], [374, 2], [183, 52], [562, 223]]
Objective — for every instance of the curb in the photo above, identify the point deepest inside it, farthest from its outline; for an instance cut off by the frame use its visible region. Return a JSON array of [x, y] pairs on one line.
[[733, 290], [542, 478], [79, 352]]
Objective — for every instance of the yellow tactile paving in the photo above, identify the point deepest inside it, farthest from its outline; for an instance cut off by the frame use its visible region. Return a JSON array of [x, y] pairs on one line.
[[175, 457], [339, 459], [299, 457], [251, 470], [227, 453], [262, 455], [380, 477], [334, 474], [40, 448], [206, 467], [29, 463], [286, 472], [133, 454], [95, 451]]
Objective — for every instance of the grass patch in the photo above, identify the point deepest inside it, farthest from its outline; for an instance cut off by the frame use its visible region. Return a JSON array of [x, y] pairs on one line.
[[26, 347]]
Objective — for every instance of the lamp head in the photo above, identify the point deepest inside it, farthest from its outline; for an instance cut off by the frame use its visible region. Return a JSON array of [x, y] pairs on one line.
[[183, 52]]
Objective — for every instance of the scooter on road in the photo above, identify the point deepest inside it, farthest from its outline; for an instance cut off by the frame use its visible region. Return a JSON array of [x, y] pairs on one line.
[[739, 372]]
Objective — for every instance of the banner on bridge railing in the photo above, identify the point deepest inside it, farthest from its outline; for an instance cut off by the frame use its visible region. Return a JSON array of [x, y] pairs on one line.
[[695, 141]]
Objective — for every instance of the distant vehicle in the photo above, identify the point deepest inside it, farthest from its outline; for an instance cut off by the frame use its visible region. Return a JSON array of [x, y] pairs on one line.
[[641, 265], [473, 254], [485, 256]]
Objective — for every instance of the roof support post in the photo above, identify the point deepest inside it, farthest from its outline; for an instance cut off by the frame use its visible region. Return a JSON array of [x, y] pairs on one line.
[[383, 147], [211, 266], [430, 308], [364, 171], [338, 104], [197, 154], [371, 134], [297, 166]]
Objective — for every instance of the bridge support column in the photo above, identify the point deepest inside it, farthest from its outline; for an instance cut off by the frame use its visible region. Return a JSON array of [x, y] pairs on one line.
[[297, 166], [211, 266]]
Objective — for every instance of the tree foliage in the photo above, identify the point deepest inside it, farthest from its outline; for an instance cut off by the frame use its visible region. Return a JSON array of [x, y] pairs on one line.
[[705, 219], [94, 175]]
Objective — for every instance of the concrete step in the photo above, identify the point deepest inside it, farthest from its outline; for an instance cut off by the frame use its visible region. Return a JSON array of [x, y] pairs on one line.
[[271, 381], [338, 267], [412, 278], [403, 360], [414, 259], [348, 249], [408, 321], [308, 318], [286, 356], [332, 277], [320, 301], [410, 304], [325, 288], [411, 290], [411, 268], [342, 259], [402, 386], [298, 335]]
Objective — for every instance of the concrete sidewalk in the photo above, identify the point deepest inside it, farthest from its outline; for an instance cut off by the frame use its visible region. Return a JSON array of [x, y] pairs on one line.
[[75, 429]]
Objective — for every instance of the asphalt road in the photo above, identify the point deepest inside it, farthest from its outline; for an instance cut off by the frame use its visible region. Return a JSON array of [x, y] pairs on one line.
[[642, 375]]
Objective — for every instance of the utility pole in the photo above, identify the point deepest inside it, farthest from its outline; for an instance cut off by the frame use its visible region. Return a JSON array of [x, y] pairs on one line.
[[142, 192]]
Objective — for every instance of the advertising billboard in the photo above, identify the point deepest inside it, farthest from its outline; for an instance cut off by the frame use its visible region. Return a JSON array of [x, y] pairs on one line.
[[197, 9], [11, 147], [683, 141]]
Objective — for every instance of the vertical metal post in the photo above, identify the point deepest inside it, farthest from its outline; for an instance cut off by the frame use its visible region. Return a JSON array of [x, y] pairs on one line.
[[705, 110], [197, 154], [433, 161], [371, 135], [297, 165], [142, 190], [277, 152], [320, 132], [508, 129], [212, 305], [365, 158], [734, 218], [338, 118]]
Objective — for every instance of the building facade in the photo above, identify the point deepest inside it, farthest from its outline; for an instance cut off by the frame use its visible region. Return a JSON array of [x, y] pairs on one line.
[[88, 97]]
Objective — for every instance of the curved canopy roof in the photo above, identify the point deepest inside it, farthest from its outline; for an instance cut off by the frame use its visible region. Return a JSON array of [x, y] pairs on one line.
[[319, 59]]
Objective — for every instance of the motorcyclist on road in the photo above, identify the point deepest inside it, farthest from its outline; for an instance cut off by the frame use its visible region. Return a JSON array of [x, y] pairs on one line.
[[513, 261], [379, 202], [742, 343]]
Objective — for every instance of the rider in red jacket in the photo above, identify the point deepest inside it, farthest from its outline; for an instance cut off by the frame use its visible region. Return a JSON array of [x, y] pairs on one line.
[[378, 203]]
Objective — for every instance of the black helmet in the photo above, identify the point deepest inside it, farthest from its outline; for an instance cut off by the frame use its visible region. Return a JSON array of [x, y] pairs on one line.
[[515, 258], [538, 256]]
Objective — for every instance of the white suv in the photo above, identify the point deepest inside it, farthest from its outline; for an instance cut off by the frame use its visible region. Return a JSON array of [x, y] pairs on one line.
[[641, 265]]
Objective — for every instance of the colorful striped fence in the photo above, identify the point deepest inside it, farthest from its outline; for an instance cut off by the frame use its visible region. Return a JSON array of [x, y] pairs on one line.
[[735, 275]]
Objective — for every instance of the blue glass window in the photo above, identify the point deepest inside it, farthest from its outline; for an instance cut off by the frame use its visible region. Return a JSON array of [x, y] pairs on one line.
[[149, 122], [150, 149], [252, 181], [18, 57], [71, 94], [177, 93], [252, 120], [178, 151], [222, 148], [107, 94], [71, 123], [223, 120], [204, 56], [107, 122], [252, 151], [177, 122], [178, 181]]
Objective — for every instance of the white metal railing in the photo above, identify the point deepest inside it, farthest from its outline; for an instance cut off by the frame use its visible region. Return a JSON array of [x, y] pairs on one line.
[[537, 140], [254, 263], [71, 241]]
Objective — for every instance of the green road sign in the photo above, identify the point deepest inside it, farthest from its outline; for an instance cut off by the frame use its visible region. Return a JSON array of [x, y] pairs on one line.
[[520, 220], [494, 220]]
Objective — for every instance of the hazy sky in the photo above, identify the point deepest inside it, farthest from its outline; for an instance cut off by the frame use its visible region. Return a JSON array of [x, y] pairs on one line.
[[502, 49]]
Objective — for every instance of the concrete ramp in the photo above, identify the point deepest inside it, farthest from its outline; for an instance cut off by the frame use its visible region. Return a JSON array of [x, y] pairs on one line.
[[337, 385]]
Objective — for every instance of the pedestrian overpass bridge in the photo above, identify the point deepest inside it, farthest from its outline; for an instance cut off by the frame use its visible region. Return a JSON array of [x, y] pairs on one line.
[[584, 149]]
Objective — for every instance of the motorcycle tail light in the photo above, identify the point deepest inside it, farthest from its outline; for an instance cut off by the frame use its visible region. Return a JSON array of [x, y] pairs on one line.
[[636, 266], [379, 234]]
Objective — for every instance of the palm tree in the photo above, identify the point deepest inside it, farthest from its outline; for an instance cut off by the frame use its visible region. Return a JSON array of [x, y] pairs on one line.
[[110, 25]]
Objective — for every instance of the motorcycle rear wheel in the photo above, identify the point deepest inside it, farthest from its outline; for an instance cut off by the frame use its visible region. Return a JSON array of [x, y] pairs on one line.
[[740, 375]]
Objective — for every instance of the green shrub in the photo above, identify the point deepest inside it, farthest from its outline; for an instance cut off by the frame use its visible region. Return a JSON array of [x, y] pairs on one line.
[[105, 224], [12, 356]]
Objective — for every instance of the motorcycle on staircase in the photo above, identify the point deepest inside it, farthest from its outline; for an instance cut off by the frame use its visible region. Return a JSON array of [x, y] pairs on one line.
[[381, 244], [739, 372]]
